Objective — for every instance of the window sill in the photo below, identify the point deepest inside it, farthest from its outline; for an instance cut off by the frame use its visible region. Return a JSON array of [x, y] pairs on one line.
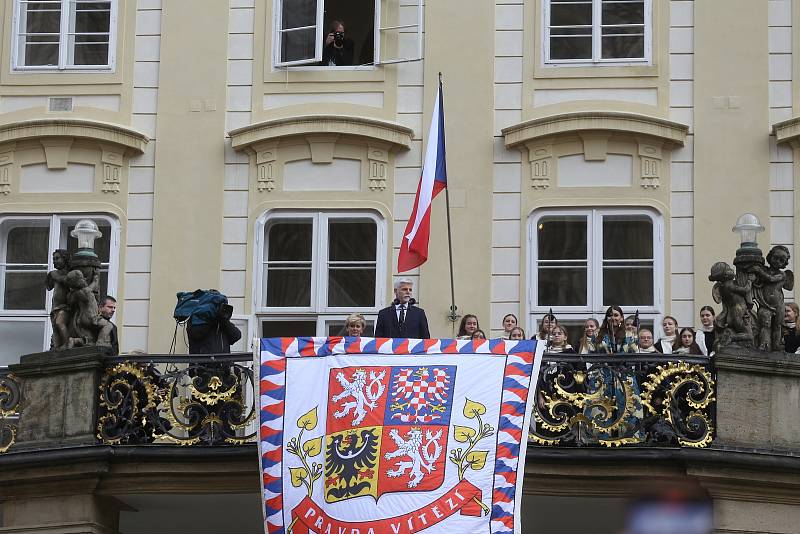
[[309, 73], [61, 77], [600, 70]]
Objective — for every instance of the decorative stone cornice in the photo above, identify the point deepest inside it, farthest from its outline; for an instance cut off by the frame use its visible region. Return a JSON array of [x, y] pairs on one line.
[[396, 135], [582, 121], [787, 131], [132, 141], [755, 362]]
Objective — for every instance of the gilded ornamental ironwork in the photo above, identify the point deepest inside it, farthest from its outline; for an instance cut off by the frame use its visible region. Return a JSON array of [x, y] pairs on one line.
[[10, 397], [620, 400], [193, 400]]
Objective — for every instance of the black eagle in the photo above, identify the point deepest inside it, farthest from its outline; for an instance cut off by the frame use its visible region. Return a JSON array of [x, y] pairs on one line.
[[344, 458]]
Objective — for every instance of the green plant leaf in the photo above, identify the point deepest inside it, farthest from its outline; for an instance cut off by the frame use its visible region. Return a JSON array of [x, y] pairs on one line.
[[313, 447], [308, 420], [298, 475], [477, 459], [462, 434], [472, 408]]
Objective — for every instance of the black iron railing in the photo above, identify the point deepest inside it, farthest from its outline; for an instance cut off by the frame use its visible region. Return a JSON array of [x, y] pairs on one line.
[[624, 400], [188, 400], [581, 400]]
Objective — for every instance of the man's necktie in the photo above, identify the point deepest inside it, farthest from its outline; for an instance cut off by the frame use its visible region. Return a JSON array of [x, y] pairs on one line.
[[402, 319]]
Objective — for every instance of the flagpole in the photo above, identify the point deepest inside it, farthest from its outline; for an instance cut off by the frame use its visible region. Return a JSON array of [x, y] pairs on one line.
[[453, 315]]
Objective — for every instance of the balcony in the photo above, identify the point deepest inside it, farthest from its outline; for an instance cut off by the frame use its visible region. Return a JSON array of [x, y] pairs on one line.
[[87, 429]]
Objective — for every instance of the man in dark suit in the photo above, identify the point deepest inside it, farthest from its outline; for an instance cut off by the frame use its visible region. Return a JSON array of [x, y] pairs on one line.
[[402, 318]]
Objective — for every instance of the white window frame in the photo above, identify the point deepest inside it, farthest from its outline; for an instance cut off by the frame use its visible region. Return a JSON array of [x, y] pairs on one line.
[[597, 59], [64, 53], [318, 310], [57, 221], [320, 39], [595, 306]]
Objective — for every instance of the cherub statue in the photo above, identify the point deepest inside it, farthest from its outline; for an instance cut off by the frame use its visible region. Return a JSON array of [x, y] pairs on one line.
[[60, 313], [88, 327], [733, 322], [768, 293]]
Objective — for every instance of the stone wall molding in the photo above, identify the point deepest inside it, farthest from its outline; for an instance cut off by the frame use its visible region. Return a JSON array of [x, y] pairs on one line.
[[579, 122], [788, 131], [374, 130], [129, 141]]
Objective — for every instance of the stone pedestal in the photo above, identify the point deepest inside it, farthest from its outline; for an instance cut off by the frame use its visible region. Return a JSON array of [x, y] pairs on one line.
[[758, 399], [59, 397]]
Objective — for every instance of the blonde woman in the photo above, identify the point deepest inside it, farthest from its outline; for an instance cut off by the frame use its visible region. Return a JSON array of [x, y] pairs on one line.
[[355, 324]]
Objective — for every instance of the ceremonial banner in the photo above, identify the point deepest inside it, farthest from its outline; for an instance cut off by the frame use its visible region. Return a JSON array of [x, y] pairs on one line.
[[372, 436]]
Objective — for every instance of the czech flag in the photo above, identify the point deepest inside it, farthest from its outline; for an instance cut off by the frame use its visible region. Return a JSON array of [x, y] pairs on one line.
[[414, 247]]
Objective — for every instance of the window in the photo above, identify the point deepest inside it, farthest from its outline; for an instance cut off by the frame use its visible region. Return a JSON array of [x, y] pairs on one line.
[[302, 28], [318, 267], [26, 246], [597, 31], [582, 261], [64, 34]]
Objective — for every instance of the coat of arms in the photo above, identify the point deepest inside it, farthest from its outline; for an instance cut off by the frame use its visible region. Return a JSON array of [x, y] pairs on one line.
[[386, 430]]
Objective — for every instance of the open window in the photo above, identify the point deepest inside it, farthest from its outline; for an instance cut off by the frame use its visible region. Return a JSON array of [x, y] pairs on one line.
[[342, 33]]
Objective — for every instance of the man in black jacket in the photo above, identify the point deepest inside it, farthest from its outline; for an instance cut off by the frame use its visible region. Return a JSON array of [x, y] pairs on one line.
[[402, 318], [338, 50]]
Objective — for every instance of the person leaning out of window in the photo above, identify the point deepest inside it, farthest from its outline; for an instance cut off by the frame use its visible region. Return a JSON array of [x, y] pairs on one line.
[[338, 50]]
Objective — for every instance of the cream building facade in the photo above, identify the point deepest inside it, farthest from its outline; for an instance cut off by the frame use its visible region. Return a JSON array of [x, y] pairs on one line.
[[604, 166], [599, 152]]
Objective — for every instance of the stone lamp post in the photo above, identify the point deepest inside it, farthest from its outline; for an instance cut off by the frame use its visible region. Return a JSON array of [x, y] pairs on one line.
[[85, 232], [748, 253]]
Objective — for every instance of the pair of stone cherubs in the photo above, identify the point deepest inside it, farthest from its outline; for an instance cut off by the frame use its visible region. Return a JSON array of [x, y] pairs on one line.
[[761, 285], [75, 317]]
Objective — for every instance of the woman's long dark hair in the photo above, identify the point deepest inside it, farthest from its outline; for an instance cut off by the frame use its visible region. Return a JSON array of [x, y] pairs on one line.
[[462, 328], [617, 335], [694, 348]]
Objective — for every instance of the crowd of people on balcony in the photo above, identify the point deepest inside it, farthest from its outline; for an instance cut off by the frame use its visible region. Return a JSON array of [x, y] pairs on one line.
[[615, 335]]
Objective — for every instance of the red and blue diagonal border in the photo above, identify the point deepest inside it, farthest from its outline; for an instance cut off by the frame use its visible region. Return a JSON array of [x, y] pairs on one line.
[[522, 361]]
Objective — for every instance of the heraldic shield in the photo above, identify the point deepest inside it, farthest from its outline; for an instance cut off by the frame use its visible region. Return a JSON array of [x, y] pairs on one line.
[[387, 430]]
